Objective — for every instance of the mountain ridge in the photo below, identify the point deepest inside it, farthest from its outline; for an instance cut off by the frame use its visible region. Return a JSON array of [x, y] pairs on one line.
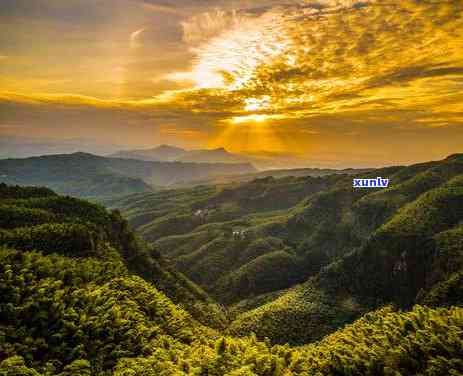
[[88, 175], [168, 153], [263, 160]]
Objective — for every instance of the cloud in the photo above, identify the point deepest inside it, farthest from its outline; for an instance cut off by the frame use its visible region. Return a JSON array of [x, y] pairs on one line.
[[410, 73], [307, 76], [343, 55], [204, 26], [135, 36]]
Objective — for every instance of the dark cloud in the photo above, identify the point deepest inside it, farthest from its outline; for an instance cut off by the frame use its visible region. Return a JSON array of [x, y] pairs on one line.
[[410, 73]]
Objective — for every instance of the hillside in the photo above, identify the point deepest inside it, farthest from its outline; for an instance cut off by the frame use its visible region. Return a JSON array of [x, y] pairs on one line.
[[36, 219], [89, 176], [275, 173], [313, 249], [79, 175], [411, 254], [80, 295]]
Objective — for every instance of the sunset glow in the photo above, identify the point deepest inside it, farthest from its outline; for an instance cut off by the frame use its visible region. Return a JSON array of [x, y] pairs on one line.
[[389, 73]]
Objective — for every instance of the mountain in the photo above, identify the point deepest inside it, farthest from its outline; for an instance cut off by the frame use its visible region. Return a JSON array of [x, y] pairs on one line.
[[81, 264], [91, 176], [167, 153], [37, 219], [80, 294], [162, 153], [79, 174], [413, 255], [263, 160], [313, 250]]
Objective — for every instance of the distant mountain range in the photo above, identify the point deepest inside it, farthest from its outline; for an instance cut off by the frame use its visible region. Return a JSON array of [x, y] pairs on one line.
[[162, 153], [168, 153], [91, 176]]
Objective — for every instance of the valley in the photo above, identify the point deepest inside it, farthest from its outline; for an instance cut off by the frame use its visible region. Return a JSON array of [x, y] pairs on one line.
[[297, 275], [309, 247]]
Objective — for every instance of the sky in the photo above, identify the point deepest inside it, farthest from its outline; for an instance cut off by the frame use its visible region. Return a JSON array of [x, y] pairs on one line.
[[357, 83]]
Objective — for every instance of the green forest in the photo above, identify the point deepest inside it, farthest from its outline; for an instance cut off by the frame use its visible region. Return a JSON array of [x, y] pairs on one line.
[[269, 277]]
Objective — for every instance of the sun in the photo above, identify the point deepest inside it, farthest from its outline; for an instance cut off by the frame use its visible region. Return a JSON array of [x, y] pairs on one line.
[[249, 119], [249, 133]]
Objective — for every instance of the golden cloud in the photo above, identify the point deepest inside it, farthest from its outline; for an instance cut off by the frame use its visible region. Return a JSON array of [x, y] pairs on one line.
[[308, 71]]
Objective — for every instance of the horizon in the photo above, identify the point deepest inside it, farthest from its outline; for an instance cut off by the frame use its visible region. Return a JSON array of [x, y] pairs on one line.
[[327, 83], [273, 160], [290, 163]]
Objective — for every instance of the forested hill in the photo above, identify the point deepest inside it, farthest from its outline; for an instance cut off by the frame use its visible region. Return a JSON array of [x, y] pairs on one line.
[[81, 295], [297, 257], [90, 176], [37, 219]]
